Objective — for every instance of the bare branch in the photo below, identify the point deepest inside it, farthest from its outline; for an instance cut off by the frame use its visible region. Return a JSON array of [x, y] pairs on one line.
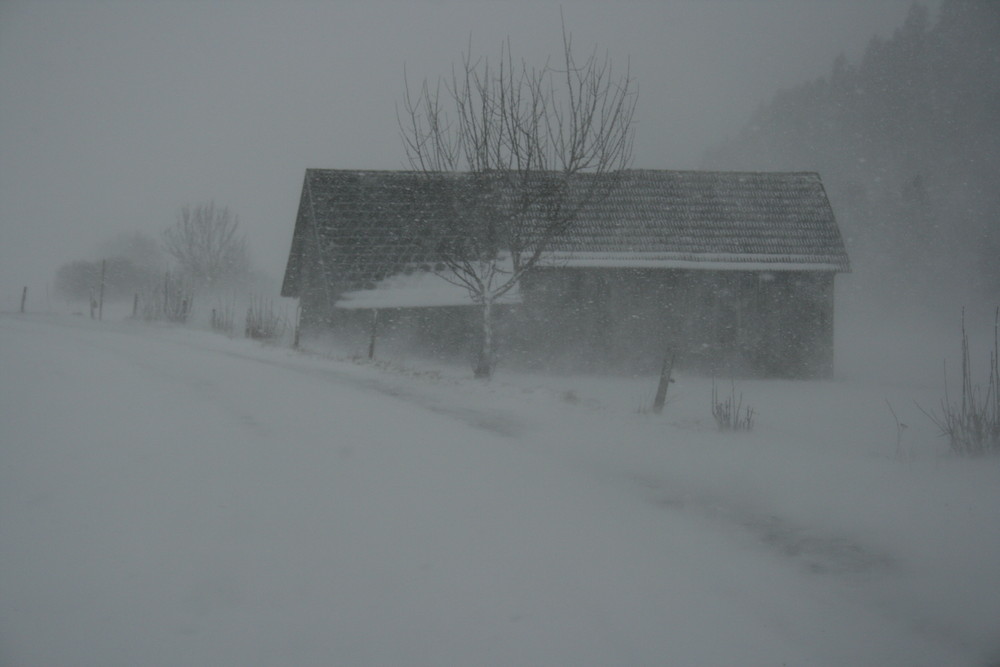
[[206, 244], [531, 146]]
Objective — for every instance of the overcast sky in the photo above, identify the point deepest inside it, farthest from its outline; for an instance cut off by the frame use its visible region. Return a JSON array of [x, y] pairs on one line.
[[114, 114]]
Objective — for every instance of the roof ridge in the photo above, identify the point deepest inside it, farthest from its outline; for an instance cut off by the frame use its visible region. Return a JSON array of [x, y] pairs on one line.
[[638, 170]]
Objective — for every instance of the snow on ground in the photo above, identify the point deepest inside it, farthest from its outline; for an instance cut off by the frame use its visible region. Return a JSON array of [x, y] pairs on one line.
[[173, 497]]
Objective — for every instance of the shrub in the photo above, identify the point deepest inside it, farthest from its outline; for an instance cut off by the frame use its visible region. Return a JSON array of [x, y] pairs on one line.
[[224, 318], [263, 323], [900, 455], [177, 306], [170, 301], [973, 425], [731, 414]]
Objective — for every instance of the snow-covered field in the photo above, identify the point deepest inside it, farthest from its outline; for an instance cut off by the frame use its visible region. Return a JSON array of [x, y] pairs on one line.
[[173, 497]]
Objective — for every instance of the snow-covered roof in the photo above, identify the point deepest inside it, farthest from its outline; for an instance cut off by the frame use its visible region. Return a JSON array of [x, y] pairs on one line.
[[418, 289], [360, 227], [677, 260]]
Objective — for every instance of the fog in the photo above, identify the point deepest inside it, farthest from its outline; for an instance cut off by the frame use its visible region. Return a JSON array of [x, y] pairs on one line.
[[906, 140], [185, 495], [113, 115]]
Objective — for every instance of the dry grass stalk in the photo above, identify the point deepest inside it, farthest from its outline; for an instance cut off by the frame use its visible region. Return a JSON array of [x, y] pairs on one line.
[[972, 426], [263, 322], [730, 414]]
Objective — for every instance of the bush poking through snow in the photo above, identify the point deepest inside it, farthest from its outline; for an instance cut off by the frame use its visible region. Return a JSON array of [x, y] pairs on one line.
[[900, 455], [177, 299], [263, 322], [973, 425], [730, 414], [224, 318], [170, 301]]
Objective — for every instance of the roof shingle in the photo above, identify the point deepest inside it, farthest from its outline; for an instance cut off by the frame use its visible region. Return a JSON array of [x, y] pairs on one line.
[[370, 224]]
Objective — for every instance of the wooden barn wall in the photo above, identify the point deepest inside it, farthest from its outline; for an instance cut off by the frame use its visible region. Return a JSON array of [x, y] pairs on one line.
[[313, 290], [776, 324], [728, 323]]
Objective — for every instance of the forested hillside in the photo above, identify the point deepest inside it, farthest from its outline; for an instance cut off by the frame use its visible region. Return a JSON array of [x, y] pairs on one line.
[[908, 144]]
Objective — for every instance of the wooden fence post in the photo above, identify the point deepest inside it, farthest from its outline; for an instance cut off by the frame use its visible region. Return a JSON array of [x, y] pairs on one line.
[[166, 293], [298, 325], [371, 342], [661, 391], [100, 303]]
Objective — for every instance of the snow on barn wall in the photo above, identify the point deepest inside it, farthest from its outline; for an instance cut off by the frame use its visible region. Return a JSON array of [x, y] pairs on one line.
[[732, 271]]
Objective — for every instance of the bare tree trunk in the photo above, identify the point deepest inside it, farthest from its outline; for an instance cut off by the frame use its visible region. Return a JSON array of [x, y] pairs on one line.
[[484, 364], [533, 146]]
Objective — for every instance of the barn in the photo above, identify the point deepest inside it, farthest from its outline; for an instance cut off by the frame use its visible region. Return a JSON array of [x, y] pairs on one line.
[[732, 272]]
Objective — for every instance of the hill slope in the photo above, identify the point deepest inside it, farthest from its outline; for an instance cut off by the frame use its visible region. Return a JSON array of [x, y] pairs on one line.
[[908, 143]]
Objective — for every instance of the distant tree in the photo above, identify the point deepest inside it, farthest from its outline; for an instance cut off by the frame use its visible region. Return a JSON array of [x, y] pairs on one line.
[[207, 246], [139, 248], [78, 280], [519, 137], [75, 280], [906, 142]]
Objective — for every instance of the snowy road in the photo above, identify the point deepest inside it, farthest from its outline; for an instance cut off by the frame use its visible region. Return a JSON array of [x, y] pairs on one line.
[[171, 497]]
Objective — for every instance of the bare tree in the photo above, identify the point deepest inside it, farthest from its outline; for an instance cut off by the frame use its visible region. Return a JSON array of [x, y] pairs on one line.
[[207, 245], [526, 149], [142, 250]]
